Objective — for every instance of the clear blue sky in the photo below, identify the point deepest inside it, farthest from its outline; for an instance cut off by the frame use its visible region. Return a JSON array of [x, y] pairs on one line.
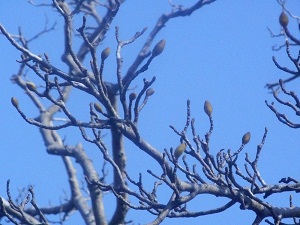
[[221, 53]]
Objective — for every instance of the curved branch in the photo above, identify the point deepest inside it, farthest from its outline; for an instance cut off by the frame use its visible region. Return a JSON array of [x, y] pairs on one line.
[[144, 52]]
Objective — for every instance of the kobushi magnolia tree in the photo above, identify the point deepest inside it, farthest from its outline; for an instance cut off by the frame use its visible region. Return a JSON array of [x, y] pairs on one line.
[[187, 171]]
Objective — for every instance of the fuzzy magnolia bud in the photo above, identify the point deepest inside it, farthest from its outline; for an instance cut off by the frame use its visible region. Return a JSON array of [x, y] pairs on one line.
[[208, 108], [105, 53], [98, 107], [246, 138], [14, 102], [158, 48], [132, 96], [150, 92], [31, 86], [179, 150], [283, 19]]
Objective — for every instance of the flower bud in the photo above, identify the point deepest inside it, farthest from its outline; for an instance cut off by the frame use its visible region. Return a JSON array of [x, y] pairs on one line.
[[105, 53], [179, 150], [283, 19], [150, 92], [14, 102], [132, 96], [246, 138], [31, 86], [98, 107], [158, 48], [208, 108]]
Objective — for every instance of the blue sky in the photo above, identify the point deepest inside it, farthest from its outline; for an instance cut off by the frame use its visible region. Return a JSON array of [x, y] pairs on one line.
[[221, 53]]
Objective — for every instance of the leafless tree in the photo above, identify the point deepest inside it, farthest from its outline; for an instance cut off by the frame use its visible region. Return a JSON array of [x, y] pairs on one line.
[[216, 175], [291, 41]]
